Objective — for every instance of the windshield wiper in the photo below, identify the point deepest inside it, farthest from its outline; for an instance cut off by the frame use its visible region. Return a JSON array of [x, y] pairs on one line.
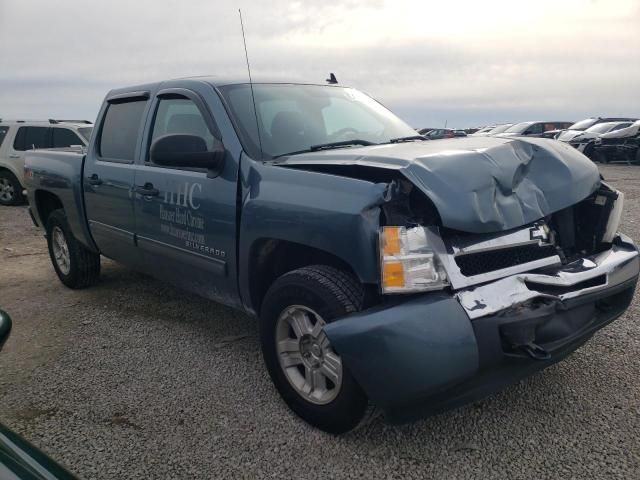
[[344, 143], [407, 139], [328, 146]]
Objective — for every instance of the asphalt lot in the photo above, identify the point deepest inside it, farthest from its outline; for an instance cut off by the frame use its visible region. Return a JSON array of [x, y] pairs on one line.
[[136, 379]]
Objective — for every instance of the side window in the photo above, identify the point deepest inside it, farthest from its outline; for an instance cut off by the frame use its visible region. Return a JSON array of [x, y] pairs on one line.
[[617, 127], [120, 128], [180, 115], [3, 133], [63, 137], [31, 137], [535, 129]]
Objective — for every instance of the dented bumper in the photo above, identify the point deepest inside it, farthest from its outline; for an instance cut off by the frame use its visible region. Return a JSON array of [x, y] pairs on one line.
[[432, 352]]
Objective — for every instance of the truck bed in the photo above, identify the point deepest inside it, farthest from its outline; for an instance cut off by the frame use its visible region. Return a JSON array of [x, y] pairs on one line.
[[57, 173]]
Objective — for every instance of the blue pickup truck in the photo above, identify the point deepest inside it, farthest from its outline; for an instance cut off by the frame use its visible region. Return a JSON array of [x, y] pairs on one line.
[[388, 272]]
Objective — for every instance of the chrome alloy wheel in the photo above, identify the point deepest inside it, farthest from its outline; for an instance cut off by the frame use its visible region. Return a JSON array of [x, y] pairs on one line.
[[60, 250], [6, 190], [311, 366]]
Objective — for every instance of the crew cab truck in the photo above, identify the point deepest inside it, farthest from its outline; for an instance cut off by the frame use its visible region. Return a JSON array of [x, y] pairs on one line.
[[388, 273]]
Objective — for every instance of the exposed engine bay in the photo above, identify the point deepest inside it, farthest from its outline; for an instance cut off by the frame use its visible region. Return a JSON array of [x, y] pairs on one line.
[[580, 230]]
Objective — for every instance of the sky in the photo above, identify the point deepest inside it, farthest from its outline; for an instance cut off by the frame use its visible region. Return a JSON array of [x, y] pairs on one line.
[[466, 63]]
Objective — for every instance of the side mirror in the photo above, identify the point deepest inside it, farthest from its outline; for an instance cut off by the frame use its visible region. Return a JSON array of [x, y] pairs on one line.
[[5, 327], [181, 150]]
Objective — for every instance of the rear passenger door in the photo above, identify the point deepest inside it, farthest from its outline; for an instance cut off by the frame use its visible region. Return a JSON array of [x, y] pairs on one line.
[[186, 217], [108, 177]]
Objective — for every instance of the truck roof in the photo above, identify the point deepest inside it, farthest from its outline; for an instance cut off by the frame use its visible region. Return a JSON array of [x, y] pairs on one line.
[[213, 80]]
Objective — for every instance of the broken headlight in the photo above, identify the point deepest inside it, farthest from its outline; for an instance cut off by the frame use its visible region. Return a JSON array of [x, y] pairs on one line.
[[408, 263]]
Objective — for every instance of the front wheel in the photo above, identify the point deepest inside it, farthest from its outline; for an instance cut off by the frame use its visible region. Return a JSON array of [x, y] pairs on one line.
[[305, 369], [75, 265]]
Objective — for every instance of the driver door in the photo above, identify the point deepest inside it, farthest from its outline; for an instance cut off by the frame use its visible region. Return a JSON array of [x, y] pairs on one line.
[[185, 220]]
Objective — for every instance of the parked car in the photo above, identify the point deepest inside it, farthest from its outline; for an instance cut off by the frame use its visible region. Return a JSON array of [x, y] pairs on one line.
[[459, 133], [16, 137], [493, 130], [440, 133], [584, 141], [424, 131], [483, 130], [619, 145], [582, 125], [534, 129], [19, 460], [387, 271]]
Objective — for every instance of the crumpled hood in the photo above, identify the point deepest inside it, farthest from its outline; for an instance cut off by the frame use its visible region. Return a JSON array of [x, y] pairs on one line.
[[480, 184]]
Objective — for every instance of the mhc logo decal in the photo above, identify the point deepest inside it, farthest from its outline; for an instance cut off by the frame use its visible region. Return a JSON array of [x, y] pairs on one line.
[[184, 196]]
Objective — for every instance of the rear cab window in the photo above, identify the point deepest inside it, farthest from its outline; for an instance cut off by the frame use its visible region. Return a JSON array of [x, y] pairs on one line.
[[120, 130]]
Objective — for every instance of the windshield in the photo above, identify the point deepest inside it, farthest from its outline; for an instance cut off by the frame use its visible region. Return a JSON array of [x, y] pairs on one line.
[[583, 124], [294, 118], [500, 128], [85, 132], [519, 127], [601, 127]]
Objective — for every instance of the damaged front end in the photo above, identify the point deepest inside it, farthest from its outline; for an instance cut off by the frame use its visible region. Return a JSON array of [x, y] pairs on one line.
[[505, 304]]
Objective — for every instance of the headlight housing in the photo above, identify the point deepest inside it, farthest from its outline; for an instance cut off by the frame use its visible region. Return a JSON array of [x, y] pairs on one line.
[[408, 263]]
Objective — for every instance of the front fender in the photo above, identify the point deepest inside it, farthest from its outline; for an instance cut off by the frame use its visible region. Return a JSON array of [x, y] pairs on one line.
[[338, 215]]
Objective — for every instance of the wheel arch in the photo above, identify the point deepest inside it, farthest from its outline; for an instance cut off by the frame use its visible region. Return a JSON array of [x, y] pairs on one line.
[[270, 258], [6, 168], [45, 203]]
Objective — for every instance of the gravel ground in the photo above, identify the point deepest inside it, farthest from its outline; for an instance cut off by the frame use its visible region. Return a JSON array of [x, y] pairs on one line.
[[135, 379]]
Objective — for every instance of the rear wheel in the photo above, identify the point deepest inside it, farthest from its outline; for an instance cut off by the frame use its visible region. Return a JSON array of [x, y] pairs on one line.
[[305, 369], [10, 189], [75, 265]]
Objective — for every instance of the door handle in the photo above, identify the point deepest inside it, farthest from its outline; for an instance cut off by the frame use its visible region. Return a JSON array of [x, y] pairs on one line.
[[13, 155], [147, 190], [94, 180]]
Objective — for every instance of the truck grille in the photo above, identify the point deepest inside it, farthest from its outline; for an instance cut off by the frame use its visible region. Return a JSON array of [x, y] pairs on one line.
[[471, 264]]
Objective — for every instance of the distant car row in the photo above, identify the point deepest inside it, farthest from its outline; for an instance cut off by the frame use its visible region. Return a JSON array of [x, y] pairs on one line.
[[602, 139]]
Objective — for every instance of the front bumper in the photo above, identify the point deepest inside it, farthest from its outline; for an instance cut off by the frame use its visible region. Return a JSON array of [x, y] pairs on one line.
[[432, 352]]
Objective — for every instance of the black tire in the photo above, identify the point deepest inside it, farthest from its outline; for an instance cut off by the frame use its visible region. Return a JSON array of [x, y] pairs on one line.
[[12, 195], [332, 293], [84, 265], [589, 151], [601, 157]]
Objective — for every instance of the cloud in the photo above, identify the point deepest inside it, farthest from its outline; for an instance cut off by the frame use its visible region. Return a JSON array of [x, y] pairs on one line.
[[469, 62]]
